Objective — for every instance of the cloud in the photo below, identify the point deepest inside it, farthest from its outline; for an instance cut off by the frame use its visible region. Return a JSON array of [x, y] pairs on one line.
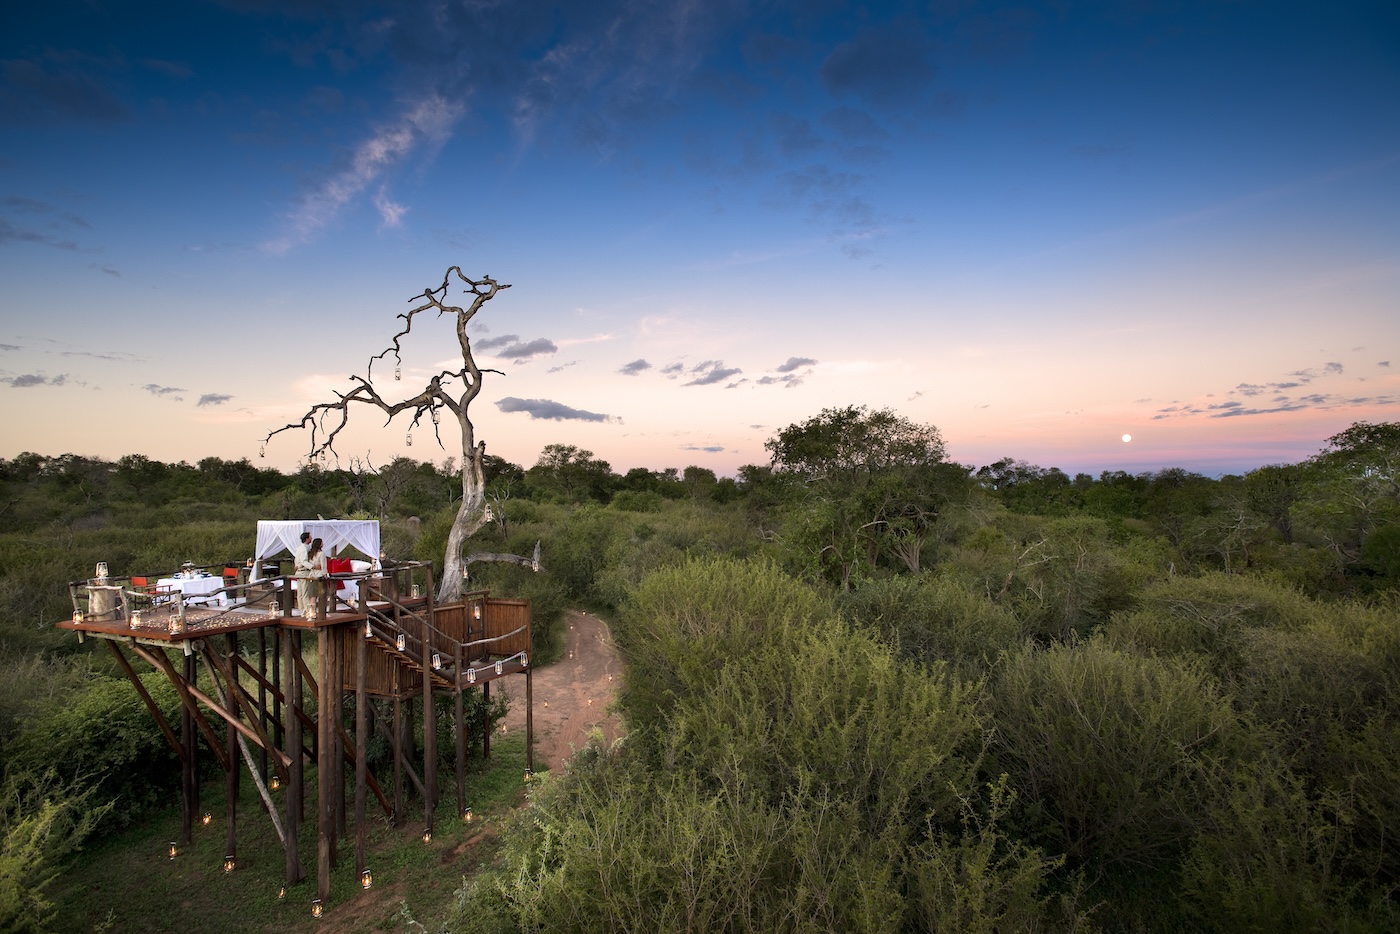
[[28, 380], [635, 367], [109, 270], [526, 351], [885, 65], [501, 341], [427, 121], [213, 398], [10, 347], [1384, 363], [707, 448], [59, 88], [1333, 368], [795, 362], [710, 372], [562, 366], [549, 410], [672, 370], [162, 391], [390, 211], [8, 233]]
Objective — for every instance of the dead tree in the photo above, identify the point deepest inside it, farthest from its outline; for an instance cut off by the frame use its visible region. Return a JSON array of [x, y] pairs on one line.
[[327, 419]]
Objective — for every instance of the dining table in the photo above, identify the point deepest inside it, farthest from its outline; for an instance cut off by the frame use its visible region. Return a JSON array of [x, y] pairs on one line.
[[200, 589]]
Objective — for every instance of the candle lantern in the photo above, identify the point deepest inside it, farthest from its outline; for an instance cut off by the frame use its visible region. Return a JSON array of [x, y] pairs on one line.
[[428, 835], [101, 571], [437, 662], [316, 908], [228, 864], [401, 642], [500, 668], [366, 879], [471, 676], [206, 818], [171, 850]]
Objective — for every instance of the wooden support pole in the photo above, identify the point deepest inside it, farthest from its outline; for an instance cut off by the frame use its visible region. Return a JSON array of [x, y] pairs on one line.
[[361, 741], [150, 703], [398, 761], [325, 824], [231, 777], [459, 730], [529, 723], [338, 658], [429, 739], [292, 731], [262, 696], [189, 776], [183, 687]]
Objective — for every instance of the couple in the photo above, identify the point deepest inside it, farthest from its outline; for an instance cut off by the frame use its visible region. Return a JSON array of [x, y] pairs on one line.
[[310, 571]]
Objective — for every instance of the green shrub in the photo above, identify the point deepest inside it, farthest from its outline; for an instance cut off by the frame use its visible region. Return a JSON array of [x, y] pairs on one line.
[[932, 618], [104, 738], [1122, 752]]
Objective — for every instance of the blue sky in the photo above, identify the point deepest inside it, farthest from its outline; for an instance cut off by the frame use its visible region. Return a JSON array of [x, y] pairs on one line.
[[1038, 227]]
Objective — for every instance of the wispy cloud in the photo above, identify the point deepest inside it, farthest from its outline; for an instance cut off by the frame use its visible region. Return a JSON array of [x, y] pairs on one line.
[[29, 380], [213, 398], [634, 368], [710, 372], [549, 410], [425, 122]]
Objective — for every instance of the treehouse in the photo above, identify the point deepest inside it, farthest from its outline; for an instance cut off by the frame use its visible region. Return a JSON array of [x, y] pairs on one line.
[[378, 634]]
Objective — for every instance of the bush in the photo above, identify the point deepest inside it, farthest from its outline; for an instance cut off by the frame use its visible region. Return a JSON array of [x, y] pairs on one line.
[[1122, 752], [931, 618]]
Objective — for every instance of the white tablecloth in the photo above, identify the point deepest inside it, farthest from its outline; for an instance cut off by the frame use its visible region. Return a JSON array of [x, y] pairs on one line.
[[199, 587]]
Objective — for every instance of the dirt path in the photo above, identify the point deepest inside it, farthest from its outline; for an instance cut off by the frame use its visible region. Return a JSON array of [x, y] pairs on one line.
[[573, 695]]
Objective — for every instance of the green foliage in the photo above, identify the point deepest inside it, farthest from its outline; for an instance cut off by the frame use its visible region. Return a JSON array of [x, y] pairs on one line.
[[42, 822], [1272, 860], [932, 618], [1120, 751], [104, 738]]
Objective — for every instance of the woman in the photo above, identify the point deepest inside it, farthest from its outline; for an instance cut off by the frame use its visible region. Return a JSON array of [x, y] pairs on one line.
[[309, 577]]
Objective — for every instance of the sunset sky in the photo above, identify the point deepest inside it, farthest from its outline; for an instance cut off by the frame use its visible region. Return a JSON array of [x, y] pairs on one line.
[[1039, 227]]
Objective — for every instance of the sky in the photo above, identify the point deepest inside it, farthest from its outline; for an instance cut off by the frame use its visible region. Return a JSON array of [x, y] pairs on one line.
[[1043, 228]]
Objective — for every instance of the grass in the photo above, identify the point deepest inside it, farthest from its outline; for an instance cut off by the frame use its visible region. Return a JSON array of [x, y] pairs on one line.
[[128, 882]]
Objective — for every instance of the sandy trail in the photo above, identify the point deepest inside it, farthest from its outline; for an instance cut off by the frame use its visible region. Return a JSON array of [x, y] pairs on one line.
[[573, 695]]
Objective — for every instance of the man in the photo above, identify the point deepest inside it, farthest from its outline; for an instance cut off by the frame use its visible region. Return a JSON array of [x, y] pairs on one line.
[[301, 570]]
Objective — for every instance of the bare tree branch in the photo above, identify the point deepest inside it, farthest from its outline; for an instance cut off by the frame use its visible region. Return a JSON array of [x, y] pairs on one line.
[[453, 391]]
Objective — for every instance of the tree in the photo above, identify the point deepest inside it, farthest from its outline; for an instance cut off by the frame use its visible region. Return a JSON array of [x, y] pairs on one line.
[[877, 485], [571, 474], [452, 391]]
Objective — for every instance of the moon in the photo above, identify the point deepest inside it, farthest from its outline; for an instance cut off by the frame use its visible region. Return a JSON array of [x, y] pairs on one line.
[[1127, 438]]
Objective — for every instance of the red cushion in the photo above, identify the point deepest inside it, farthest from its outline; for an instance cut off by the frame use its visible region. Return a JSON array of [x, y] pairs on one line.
[[338, 566]]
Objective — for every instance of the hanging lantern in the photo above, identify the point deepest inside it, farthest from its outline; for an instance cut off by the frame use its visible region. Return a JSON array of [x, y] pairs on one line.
[[262, 449], [228, 864], [476, 612], [408, 440], [366, 879], [398, 373]]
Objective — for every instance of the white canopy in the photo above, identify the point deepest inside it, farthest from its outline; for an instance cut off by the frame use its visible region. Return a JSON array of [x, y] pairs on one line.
[[275, 536]]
